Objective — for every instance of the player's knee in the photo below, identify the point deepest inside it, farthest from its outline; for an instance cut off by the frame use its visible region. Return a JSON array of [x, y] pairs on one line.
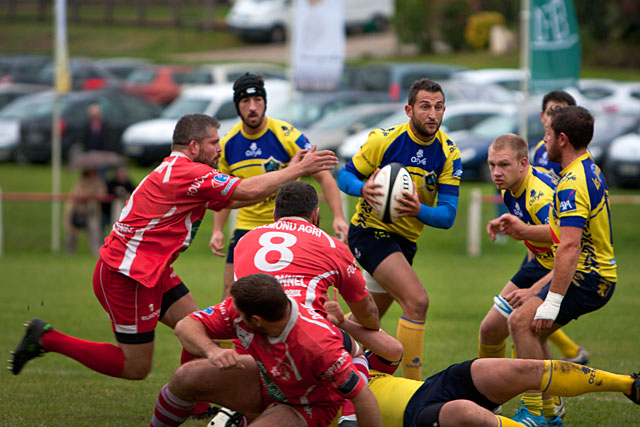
[[491, 333], [137, 372], [519, 321], [460, 413], [416, 307]]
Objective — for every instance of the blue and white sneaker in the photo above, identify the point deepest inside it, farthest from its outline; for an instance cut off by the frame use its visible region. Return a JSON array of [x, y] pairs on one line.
[[555, 421], [559, 407], [524, 417], [581, 359]]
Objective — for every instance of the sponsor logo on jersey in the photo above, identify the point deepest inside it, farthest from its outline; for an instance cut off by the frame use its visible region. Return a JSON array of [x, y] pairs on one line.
[[419, 159], [152, 315], [197, 183], [567, 199], [535, 196], [517, 211], [430, 182], [272, 389], [229, 186], [244, 336], [219, 180], [336, 366], [253, 150], [282, 371], [271, 165]]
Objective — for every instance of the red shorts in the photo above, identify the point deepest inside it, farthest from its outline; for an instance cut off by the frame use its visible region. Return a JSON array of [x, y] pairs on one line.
[[315, 415], [132, 307]]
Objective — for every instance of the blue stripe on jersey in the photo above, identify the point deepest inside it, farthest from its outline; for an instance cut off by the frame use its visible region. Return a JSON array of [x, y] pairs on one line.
[[405, 150], [572, 221], [543, 214], [518, 206], [239, 148], [453, 190], [303, 142], [595, 182]]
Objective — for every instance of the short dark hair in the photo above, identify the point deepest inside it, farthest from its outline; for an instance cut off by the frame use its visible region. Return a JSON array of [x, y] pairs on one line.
[[516, 143], [423, 84], [575, 122], [296, 198], [559, 97], [260, 295], [193, 127]]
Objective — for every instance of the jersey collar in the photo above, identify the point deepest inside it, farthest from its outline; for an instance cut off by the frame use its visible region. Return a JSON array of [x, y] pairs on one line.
[[259, 134], [525, 182], [418, 140], [178, 154], [293, 318]]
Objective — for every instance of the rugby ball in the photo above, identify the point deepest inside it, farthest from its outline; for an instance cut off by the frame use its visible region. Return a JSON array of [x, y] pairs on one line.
[[395, 179]]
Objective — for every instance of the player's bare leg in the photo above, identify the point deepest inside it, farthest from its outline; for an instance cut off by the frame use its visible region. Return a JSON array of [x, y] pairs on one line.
[[228, 280], [395, 275]]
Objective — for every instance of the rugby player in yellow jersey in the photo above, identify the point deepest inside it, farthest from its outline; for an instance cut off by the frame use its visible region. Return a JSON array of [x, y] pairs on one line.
[[386, 250], [259, 144], [464, 394], [584, 271], [550, 101], [528, 194]]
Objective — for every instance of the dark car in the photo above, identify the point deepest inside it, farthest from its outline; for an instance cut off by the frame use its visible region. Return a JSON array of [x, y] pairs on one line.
[[86, 74], [25, 124], [395, 79], [474, 144], [308, 107], [12, 91], [160, 84], [22, 68]]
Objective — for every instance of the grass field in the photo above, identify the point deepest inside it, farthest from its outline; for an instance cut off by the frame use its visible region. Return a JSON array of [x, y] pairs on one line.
[[56, 391]]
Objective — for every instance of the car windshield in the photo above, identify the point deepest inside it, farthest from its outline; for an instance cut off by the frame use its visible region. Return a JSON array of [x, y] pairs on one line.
[[299, 113], [28, 107], [142, 75], [182, 106]]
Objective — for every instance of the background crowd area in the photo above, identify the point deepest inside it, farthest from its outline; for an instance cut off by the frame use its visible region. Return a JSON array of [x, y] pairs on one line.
[[136, 72]]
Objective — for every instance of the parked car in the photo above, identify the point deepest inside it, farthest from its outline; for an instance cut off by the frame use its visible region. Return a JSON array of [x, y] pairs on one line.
[[395, 79], [209, 74], [86, 74], [329, 132], [509, 78], [622, 166], [122, 67], [149, 141], [22, 68], [267, 20], [306, 108], [458, 116], [11, 91], [160, 84], [612, 96], [25, 124]]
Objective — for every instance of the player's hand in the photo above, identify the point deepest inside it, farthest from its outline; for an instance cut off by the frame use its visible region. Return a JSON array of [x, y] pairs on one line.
[[217, 243], [341, 229], [334, 312], [546, 313], [409, 204], [512, 226], [517, 297], [493, 228], [225, 359], [312, 161], [371, 190]]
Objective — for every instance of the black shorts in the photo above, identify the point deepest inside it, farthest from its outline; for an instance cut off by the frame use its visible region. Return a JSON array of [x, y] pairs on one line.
[[586, 293], [237, 235], [529, 273], [371, 246], [451, 384]]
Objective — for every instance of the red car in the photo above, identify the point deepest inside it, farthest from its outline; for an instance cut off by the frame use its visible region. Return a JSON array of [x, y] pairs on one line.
[[160, 84]]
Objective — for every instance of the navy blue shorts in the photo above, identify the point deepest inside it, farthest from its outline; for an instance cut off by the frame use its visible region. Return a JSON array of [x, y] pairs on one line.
[[371, 246], [451, 384], [529, 273], [237, 235], [586, 293]]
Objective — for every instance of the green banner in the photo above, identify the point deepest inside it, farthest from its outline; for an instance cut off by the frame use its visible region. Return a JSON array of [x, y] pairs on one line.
[[554, 45]]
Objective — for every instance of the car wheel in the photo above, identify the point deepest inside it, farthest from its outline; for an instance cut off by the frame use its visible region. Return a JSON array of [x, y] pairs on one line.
[[277, 34]]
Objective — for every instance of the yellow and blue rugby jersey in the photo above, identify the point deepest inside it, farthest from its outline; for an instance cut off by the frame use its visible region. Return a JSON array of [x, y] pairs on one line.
[[532, 203], [582, 200], [540, 159], [435, 168], [245, 156], [393, 395]]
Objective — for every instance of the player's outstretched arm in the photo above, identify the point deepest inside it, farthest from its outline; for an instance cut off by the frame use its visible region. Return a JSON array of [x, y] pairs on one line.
[[367, 410], [513, 226], [366, 312], [216, 243], [332, 196], [305, 162]]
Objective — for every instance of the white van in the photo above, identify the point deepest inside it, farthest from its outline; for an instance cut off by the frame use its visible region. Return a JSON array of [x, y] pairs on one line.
[[266, 20], [149, 141]]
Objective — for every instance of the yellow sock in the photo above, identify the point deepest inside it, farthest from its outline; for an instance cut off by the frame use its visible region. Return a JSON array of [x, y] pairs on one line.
[[548, 407], [411, 334], [568, 379], [533, 402], [556, 400], [513, 351], [507, 422], [488, 350], [567, 347]]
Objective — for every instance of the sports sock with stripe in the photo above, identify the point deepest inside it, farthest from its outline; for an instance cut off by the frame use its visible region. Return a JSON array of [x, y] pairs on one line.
[[411, 334], [569, 379]]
